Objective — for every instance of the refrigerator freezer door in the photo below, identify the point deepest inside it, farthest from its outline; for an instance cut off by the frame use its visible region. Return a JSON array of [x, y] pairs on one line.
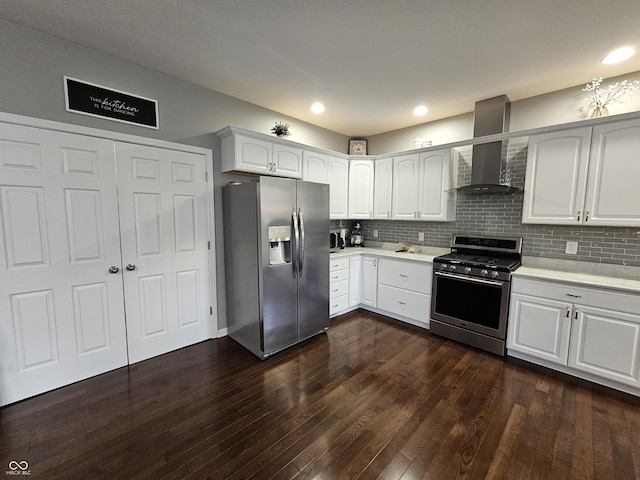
[[279, 286], [313, 282]]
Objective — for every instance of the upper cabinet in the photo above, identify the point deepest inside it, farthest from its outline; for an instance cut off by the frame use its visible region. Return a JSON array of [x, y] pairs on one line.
[[382, 188], [245, 153], [421, 187], [584, 176], [323, 168], [361, 177], [339, 187]]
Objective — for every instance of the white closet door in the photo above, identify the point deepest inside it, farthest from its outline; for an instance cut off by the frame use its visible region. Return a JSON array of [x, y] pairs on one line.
[[61, 310], [164, 232]]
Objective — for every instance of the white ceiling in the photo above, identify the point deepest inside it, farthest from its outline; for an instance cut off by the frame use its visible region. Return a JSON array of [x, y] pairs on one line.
[[369, 61]]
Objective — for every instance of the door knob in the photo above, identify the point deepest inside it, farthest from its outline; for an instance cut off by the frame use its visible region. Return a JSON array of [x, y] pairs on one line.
[[130, 267], [113, 269]]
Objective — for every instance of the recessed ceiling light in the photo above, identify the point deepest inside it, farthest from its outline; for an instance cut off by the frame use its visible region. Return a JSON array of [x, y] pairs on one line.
[[420, 110], [619, 55], [317, 107]]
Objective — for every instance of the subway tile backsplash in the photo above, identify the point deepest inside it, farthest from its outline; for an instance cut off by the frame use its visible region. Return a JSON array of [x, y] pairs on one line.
[[502, 215]]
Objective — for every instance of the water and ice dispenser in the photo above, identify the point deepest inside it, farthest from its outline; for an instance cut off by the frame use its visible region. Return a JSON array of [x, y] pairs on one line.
[[279, 244]]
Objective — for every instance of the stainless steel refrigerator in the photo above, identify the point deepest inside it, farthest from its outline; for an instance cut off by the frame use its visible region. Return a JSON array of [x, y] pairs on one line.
[[276, 262]]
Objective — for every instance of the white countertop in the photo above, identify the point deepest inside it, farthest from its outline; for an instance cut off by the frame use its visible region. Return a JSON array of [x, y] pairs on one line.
[[629, 285], [626, 279], [426, 255]]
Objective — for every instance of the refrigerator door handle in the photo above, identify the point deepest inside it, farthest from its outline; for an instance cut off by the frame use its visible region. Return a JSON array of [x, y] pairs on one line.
[[295, 246], [301, 257]]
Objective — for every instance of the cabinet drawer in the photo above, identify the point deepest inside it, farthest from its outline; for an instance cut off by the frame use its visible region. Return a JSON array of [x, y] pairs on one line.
[[338, 304], [339, 288], [403, 302], [412, 276], [339, 275], [577, 294], [338, 263]]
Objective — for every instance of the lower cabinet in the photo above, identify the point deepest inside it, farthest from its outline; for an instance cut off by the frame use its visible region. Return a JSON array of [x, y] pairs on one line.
[[589, 332], [397, 288], [338, 285], [606, 343], [404, 288], [540, 327], [369, 279]]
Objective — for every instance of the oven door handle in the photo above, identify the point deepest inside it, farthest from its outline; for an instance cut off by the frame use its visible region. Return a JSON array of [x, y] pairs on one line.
[[469, 279]]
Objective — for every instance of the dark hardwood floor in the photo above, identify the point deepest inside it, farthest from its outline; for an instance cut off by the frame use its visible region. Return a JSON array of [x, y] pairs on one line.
[[372, 398]]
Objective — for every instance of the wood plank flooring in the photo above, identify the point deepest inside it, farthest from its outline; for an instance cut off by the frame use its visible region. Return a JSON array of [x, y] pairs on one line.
[[372, 398]]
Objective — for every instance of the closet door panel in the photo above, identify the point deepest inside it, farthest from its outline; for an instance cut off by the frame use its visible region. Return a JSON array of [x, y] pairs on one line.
[[61, 310], [164, 226]]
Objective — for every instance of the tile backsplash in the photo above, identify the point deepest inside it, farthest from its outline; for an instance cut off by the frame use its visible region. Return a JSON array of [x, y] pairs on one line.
[[501, 215]]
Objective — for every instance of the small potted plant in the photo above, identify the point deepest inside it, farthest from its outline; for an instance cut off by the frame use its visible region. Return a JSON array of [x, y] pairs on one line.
[[280, 129]]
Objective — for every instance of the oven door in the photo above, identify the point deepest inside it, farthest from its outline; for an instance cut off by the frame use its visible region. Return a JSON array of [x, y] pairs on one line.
[[471, 303]]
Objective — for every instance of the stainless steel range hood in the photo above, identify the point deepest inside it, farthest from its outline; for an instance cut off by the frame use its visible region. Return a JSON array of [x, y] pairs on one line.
[[487, 168]]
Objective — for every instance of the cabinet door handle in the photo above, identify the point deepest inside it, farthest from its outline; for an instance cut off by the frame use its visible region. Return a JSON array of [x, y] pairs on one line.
[[575, 315], [402, 303], [586, 216], [568, 312], [573, 295], [578, 215], [404, 277]]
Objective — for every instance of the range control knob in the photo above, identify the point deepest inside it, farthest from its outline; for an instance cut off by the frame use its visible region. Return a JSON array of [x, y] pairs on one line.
[[443, 266], [484, 272], [467, 269], [453, 268], [495, 274]]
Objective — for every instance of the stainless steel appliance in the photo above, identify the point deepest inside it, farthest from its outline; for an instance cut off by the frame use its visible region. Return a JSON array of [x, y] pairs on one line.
[[336, 240], [356, 238], [470, 290], [276, 262]]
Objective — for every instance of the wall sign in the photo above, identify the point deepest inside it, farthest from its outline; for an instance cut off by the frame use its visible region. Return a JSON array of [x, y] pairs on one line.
[[96, 101]]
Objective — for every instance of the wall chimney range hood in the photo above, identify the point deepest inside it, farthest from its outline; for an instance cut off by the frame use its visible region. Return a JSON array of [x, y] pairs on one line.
[[491, 117]]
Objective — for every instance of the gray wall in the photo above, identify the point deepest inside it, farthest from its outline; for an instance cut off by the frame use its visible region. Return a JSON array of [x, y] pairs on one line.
[[564, 106], [31, 84]]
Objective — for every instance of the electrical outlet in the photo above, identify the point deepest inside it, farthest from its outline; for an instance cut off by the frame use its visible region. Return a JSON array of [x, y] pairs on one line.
[[375, 234], [571, 248], [421, 236]]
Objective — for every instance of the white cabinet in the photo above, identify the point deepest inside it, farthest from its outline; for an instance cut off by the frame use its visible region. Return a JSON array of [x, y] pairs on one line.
[[315, 167], [338, 180], [254, 153], [422, 187], [338, 285], [436, 202], [587, 330], [404, 289], [355, 275], [539, 327], [382, 191], [606, 343], [406, 187], [369, 281], [584, 176], [323, 168], [361, 177]]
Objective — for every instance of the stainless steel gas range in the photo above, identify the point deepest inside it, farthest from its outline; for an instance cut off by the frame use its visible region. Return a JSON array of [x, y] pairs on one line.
[[470, 290]]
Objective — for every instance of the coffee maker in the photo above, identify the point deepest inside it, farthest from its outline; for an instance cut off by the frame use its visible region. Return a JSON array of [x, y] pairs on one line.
[[356, 239]]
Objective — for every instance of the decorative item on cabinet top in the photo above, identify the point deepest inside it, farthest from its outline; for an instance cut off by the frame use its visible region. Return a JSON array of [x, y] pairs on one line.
[[357, 146], [281, 129]]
